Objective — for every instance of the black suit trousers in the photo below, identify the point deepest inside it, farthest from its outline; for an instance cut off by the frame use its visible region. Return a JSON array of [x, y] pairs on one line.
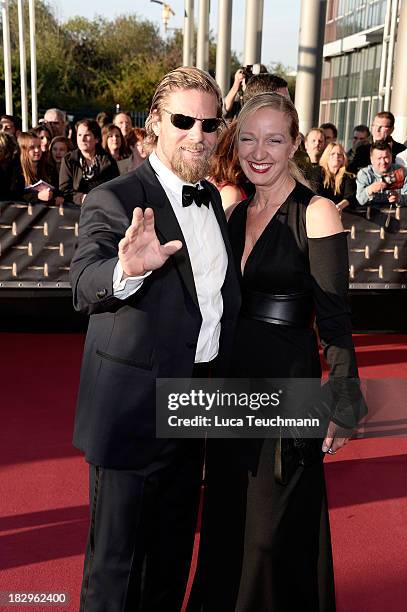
[[142, 532]]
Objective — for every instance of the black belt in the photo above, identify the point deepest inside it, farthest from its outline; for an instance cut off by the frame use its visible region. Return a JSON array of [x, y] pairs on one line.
[[292, 309]]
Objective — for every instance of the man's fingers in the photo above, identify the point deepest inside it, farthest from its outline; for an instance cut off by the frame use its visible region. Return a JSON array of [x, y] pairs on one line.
[[137, 224], [137, 216], [123, 245], [142, 221], [148, 219], [169, 248]]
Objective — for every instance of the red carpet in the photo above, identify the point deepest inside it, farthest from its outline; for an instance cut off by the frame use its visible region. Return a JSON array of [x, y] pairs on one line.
[[43, 481]]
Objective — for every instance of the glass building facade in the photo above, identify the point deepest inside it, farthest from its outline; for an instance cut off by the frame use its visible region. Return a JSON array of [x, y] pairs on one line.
[[353, 67]]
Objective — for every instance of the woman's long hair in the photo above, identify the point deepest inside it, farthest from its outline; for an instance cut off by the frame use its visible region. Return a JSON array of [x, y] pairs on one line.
[[108, 130], [225, 166], [31, 172], [285, 106], [333, 181]]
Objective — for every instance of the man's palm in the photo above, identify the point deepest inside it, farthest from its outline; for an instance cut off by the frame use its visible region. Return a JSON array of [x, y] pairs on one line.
[[140, 250]]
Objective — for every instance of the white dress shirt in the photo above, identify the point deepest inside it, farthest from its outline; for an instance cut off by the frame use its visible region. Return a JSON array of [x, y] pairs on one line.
[[207, 253]]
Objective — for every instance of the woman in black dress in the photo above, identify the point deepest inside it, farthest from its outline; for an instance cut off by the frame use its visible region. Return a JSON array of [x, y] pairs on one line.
[[291, 250]]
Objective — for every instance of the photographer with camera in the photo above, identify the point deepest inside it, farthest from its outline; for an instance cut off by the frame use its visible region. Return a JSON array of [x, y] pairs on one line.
[[233, 100], [382, 182]]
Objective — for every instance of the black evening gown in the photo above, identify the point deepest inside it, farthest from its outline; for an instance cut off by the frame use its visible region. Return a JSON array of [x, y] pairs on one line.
[[287, 559]]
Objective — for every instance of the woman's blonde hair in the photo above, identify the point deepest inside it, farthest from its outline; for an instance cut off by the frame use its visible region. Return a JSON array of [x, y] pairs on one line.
[[180, 79], [283, 105], [32, 173], [334, 181]]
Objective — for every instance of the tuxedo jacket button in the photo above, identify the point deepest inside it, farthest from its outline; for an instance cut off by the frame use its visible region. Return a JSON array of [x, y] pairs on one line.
[[102, 293]]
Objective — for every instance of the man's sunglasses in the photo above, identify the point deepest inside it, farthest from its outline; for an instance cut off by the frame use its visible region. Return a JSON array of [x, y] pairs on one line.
[[184, 122]]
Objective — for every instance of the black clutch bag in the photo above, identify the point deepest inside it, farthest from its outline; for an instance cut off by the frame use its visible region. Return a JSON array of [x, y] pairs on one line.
[[291, 453]]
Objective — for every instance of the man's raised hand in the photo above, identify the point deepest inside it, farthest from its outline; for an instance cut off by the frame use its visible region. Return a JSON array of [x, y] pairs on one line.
[[140, 250]]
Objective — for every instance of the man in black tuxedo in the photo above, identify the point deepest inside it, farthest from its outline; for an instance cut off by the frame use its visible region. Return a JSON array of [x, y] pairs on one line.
[[154, 269]]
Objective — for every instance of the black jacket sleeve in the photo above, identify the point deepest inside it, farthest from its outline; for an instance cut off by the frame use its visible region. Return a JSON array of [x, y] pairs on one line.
[[349, 190], [70, 175]]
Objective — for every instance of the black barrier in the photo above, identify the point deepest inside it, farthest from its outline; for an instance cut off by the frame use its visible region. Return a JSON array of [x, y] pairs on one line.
[[377, 247], [36, 244]]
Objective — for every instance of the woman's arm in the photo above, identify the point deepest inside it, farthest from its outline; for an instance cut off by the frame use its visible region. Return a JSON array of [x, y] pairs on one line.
[[329, 268]]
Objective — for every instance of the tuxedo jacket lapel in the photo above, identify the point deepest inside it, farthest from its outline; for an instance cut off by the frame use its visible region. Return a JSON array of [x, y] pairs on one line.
[[167, 226]]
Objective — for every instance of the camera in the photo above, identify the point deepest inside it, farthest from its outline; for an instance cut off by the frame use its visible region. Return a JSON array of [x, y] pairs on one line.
[[251, 70], [394, 180]]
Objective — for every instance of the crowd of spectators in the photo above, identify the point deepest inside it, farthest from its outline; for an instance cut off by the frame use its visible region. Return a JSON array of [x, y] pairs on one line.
[[55, 162], [373, 170]]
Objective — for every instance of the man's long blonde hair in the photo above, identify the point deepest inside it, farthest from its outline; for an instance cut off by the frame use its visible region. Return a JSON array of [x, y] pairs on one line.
[[180, 79]]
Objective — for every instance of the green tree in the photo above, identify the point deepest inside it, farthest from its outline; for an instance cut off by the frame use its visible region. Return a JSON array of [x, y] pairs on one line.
[[95, 64], [287, 73], [51, 53]]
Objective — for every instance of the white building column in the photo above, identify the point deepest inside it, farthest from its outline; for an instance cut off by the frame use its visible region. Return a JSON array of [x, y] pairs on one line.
[[310, 50], [399, 96], [188, 47], [223, 52], [23, 67], [202, 45], [33, 60], [253, 32], [8, 87]]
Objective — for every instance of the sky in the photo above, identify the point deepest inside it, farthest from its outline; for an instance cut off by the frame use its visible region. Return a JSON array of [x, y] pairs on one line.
[[280, 21]]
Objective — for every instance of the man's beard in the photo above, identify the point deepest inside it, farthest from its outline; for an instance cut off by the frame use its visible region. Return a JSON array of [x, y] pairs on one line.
[[191, 171]]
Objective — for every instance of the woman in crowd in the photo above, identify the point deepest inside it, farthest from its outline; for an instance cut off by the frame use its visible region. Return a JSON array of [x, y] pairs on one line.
[[59, 147], [291, 251], [335, 183], [113, 142], [34, 166], [45, 136], [87, 166], [226, 172], [11, 175], [135, 142]]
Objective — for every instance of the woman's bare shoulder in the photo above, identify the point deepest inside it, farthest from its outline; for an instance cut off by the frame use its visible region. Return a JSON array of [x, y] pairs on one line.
[[322, 218], [230, 195]]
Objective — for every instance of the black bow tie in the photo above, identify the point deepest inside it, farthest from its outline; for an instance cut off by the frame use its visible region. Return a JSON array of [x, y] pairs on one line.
[[193, 194]]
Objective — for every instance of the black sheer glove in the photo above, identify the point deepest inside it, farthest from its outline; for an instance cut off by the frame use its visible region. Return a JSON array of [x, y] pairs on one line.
[[329, 269]]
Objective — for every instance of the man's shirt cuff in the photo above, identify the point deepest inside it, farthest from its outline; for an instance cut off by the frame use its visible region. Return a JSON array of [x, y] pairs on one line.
[[125, 287]]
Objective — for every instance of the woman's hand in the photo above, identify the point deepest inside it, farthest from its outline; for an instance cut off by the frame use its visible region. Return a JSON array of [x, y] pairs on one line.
[[341, 205], [45, 195], [336, 438]]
